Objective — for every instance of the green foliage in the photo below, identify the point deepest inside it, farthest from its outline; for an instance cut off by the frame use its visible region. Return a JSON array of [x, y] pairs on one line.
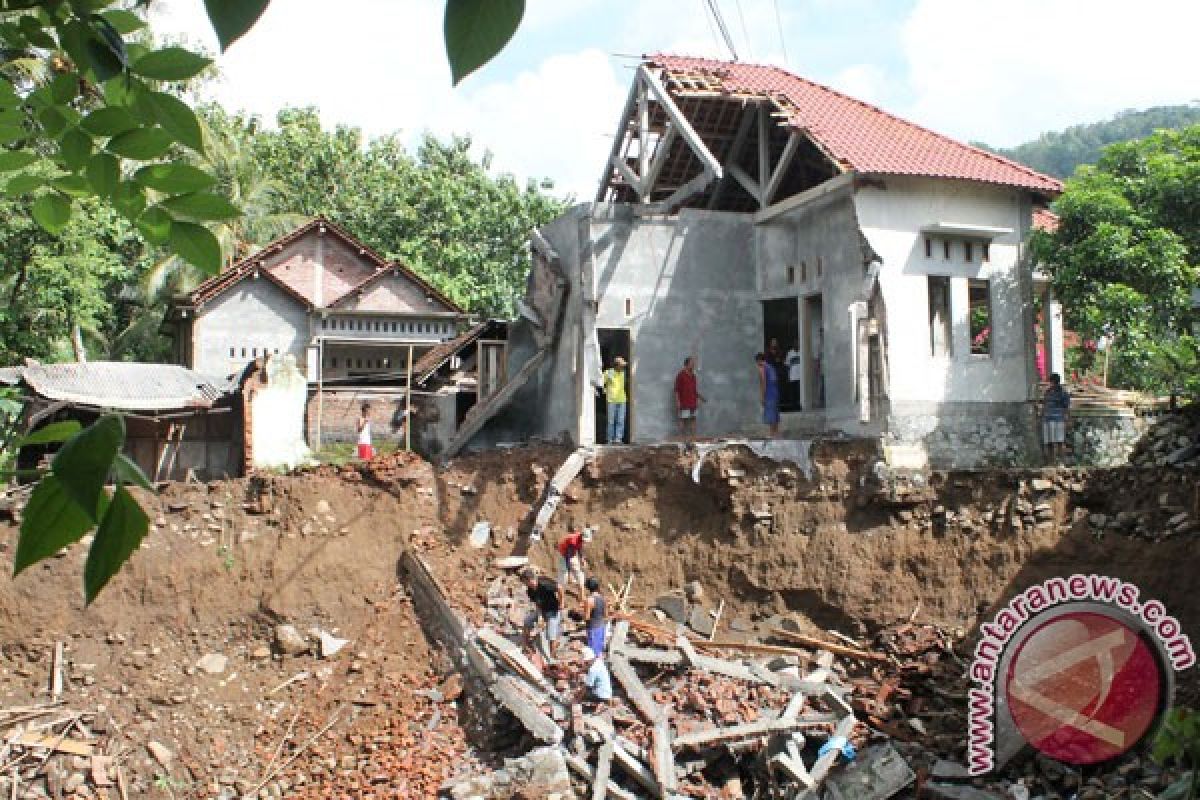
[[476, 30], [1178, 742], [1059, 153], [1123, 259]]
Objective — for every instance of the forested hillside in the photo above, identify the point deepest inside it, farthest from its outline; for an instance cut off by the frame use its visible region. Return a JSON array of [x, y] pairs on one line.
[[1058, 153]]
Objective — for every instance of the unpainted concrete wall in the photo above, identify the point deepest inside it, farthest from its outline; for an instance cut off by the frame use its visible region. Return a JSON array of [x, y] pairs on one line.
[[688, 285], [256, 317]]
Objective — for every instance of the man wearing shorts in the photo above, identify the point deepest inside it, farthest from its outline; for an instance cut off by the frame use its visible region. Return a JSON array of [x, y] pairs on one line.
[[687, 398], [547, 598], [570, 557], [1056, 406]]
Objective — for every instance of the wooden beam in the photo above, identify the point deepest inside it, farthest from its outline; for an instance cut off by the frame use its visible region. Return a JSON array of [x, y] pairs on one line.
[[838, 649], [764, 152], [643, 130], [750, 730], [623, 671], [681, 122], [735, 150], [663, 757], [584, 770], [748, 183], [627, 174], [408, 403], [650, 176], [785, 161], [618, 142], [603, 767]]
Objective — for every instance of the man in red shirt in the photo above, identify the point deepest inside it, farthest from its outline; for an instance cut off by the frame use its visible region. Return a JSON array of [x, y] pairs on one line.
[[570, 557], [687, 398]]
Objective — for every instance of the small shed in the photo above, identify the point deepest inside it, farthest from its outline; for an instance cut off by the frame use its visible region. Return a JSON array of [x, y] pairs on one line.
[[178, 422]]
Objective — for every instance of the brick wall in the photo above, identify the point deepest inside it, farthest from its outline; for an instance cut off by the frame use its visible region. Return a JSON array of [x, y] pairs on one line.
[[340, 411]]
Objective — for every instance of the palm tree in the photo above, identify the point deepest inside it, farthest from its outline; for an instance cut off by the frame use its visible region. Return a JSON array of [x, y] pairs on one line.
[[243, 181]]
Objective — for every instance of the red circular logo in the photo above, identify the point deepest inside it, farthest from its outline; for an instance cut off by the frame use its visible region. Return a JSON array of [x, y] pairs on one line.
[[1084, 687]]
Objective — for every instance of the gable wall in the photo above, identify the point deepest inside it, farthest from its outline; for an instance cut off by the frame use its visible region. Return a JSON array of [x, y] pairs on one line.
[[297, 265], [254, 314], [393, 294]]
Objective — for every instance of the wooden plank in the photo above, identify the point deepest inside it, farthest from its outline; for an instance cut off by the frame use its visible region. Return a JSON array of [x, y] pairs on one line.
[[585, 771], [735, 150], [513, 656], [650, 177], [751, 730], [623, 671], [618, 141], [603, 766], [785, 161], [820, 769], [817, 644], [75, 747], [680, 121], [56, 672], [663, 756], [748, 183]]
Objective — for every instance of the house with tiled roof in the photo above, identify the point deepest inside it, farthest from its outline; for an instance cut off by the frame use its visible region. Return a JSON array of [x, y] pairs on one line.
[[347, 315], [745, 209]]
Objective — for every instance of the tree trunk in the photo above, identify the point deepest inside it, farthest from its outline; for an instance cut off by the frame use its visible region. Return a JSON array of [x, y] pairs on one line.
[[77, 344]]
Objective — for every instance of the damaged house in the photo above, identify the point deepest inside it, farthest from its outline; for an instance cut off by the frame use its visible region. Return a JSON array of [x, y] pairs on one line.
[[354, 322], [743, 204]]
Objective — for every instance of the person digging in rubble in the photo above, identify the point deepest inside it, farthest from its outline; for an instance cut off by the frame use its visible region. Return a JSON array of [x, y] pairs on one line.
[[617, 398], [547, 598], [596, 680], [1056, 408], [687, 398], [595, 615], [570, 557], [365, 451], [768, 393]]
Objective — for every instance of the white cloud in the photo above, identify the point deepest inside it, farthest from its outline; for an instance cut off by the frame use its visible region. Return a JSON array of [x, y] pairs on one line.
[[861, 81], [1005, 72]]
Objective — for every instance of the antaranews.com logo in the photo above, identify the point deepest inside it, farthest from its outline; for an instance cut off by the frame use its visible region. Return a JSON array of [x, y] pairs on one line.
[[1081, 668]]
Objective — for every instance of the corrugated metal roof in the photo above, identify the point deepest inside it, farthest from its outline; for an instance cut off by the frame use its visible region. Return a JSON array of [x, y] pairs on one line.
[[859, 135], [121, 385]]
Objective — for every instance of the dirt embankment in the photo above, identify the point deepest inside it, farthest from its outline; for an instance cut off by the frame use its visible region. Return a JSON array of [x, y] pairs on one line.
[[227, 563], [838, 546]]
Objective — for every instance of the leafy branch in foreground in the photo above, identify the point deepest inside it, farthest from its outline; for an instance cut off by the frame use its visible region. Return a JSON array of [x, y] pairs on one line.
[[71, 499]]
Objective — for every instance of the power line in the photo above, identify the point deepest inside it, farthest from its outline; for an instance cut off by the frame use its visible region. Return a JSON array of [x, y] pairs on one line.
[[782, 41], [708, 19], [745, 31], [716, 12]]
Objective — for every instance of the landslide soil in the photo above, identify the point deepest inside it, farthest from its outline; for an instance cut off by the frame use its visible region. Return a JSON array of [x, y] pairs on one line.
[[229, 561]]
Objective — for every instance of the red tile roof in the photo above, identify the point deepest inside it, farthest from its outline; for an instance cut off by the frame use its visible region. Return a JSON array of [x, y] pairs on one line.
[[1045, 220], [858, 135]]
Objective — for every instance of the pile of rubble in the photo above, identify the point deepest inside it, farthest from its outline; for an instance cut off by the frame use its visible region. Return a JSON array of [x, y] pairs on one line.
[[1173, 441]]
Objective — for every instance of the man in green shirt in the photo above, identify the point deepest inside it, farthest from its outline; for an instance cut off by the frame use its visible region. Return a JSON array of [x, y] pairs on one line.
[[617, 396]]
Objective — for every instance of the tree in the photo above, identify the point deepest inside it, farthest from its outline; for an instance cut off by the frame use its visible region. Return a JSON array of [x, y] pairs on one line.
[[81, 129], [1123, 259]]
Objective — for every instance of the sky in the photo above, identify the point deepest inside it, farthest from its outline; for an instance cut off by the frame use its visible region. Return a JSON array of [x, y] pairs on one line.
[[548, 106]]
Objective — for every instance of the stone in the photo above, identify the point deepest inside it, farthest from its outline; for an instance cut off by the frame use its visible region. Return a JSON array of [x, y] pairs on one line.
[[1097, 520], [261, 653], [674, 606], [331, 645], [323, 507], [161, 753], [289, 641], [701, 621], [213, 663], [73, 782], [694, 591], [1041, 485], [944, 770], [480, 534]]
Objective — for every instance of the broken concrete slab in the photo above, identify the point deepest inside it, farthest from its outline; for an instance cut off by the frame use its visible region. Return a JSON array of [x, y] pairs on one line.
[[877, 774], [213, 663], [675, 606], [701, 621]]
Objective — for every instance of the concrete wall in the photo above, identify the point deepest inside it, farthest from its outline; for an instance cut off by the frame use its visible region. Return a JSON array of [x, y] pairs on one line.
[[968, 409], [252, 319], [688, 285], [819, 241]]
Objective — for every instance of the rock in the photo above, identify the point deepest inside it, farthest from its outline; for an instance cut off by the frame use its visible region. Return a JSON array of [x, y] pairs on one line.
[[330, 645], [73, 782], [261, 653], [674, 606], [480, 534], [161, 753], [741, 625], [1098, 520], [951, 771], [289, 641], [452, 688], [323, 507], [701, 621], [694, 591], [213, 663], [1041, 485]]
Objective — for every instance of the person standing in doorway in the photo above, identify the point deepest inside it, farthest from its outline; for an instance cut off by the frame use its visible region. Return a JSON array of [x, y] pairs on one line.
[[794, 364], [687, 398], [365, 451], [768, 393], [617, 396], [1056, 408]]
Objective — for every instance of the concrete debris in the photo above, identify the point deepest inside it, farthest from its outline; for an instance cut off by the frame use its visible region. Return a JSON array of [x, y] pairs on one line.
[[161, 753], [330, 645], [480, 534], [290, 641], [674, 606], [213, 663]]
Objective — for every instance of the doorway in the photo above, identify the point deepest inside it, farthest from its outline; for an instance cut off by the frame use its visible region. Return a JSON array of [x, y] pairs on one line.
[[814, 346], [615, 342], [781, 325]]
